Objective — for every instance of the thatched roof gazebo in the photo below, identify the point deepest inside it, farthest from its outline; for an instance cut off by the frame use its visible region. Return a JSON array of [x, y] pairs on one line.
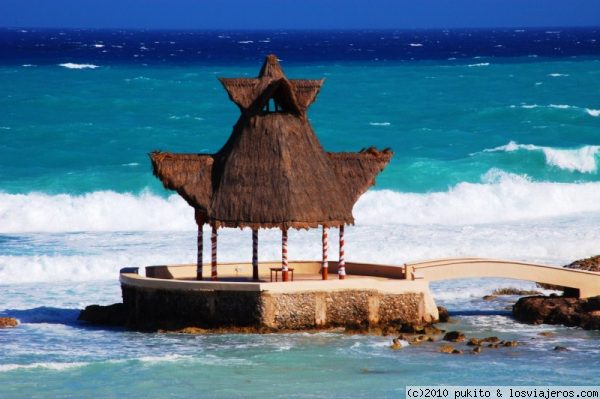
[[272, 171]]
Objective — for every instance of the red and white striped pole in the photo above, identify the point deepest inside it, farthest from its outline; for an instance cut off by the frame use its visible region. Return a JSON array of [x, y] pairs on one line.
[[342, 261], [213, 241], [200, 242], [284, 255], [199, 258], [325, 265], [255, 254]]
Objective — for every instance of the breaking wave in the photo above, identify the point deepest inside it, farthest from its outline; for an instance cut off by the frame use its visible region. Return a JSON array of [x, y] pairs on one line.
[[499, 197], [582, 159], [97, 211], [503, 216], [589, 111], [71, 65]]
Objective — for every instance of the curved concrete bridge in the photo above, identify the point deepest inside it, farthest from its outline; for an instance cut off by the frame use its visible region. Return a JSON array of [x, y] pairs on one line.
[[587, 283]]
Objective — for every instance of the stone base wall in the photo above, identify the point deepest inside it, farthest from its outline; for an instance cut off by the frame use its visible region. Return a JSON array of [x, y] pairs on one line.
[[152, 308]]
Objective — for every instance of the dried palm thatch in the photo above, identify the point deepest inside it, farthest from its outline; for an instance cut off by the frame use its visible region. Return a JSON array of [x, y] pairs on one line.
[[272, 171]]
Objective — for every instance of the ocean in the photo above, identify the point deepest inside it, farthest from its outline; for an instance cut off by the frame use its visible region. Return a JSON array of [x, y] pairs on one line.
[[496, 147]]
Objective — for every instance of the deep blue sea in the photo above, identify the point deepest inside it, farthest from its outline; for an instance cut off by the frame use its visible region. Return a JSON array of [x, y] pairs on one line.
[[496, 135]]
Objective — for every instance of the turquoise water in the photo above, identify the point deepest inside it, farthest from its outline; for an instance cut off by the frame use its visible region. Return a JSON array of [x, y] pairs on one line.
[[438, 117], [496, 155], [50, 355]]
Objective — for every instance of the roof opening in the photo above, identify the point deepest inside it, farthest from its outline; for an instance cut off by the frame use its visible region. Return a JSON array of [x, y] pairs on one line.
[[272, 106]]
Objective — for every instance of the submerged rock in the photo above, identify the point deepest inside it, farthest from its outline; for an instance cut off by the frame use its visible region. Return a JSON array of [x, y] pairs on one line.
[[418, 339], [559, 348], [547, 334], [111, 315], [8, 322], [563, 310], [514, 291], [454, 336], [491, 339], [446, 348], [489, 297], [396, 344], [477, 350]]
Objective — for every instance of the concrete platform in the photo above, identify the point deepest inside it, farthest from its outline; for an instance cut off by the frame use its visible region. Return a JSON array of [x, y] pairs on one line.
[[371, 296]]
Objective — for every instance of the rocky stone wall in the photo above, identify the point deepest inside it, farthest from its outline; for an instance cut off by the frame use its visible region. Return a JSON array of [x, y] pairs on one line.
[[152, 309]]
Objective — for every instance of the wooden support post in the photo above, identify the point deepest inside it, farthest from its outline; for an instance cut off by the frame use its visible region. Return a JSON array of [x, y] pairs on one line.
[[200, 222], [284, 255], [255, 254], [342, 261], [213, 240], [325, 264]]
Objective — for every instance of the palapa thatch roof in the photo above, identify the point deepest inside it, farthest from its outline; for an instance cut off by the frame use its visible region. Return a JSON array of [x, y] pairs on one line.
[[272, 172]]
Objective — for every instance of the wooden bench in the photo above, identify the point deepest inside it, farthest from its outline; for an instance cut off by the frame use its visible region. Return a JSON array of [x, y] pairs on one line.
[[277, 270]]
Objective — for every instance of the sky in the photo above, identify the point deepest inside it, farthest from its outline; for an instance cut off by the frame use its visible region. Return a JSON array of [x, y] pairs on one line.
[[297, 14]]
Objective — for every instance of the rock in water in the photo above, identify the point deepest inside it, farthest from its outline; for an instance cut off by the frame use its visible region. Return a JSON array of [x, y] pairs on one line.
[[444, 317], [493, 340], [514, 291], [590, 264], [8, 322], [454, 336], [396, 344], [111, 315], [446, 349], [547, 334], [568, 311]]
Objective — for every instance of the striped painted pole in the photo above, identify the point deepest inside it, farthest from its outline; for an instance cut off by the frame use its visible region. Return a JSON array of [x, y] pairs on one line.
[[255, 254], [213, 241], [200, 218], [342, 262], [200, 249], [325, 265], [284, 255]]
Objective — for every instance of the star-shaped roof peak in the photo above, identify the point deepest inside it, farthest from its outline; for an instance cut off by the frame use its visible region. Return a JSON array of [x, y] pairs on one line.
[[251, 94]]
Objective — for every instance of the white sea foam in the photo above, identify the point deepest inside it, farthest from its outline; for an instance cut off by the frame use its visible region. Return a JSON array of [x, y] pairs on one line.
[[245, 41], [97, 211], [558, 75], [560, 106], [480, 64], [379, 123], [589, 111], [582, 159], [165, 358], [499, 197], [593, 112], [416, 45], [98, 45], [41, 365], [503, 216], [71, 65]]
